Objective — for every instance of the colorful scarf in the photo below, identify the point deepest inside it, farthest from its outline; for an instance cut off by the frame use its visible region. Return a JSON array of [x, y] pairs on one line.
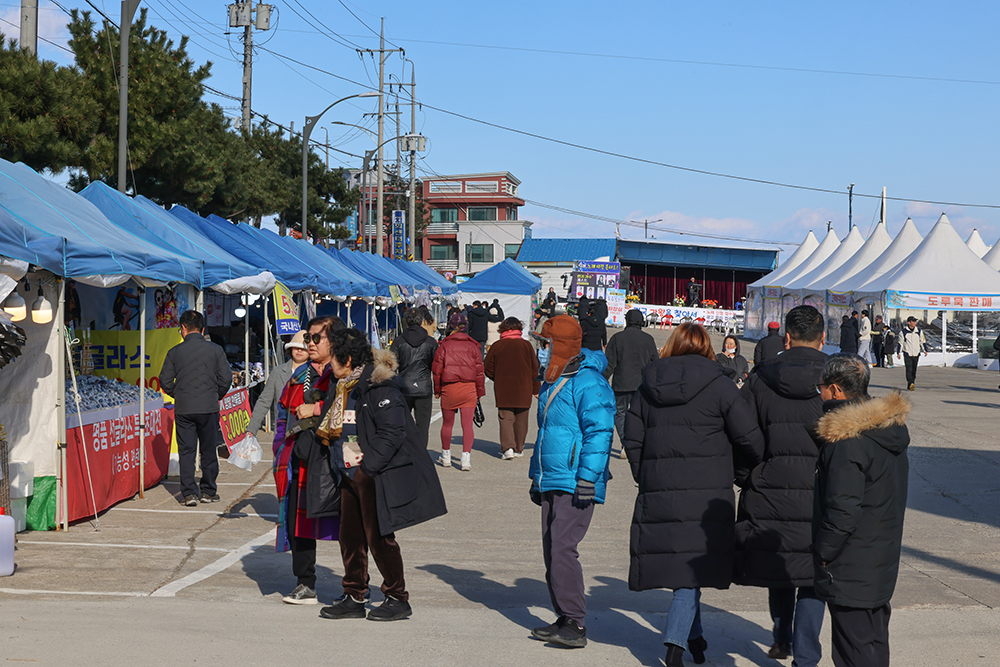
[[333, 423]]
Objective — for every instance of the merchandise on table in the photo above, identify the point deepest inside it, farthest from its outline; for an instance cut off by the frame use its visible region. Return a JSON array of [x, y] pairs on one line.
[[98, 393]]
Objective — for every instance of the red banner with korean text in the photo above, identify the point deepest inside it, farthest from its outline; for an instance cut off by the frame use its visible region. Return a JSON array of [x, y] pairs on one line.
[[234, 416], [112, 451]]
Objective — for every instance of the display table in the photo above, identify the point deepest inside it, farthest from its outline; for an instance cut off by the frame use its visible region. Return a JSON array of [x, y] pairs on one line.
[[111, 438]]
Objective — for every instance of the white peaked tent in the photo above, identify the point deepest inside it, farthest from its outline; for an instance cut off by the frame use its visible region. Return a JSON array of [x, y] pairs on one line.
[[870, 251], [817, 280], [902, 246], [827, 247], [993, 257], [976, 244], [801, 254]]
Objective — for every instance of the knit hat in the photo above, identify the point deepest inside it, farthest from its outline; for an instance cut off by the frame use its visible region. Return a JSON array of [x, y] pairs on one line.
[[567, 338], [773, 325], [457, 322], [298, 341]]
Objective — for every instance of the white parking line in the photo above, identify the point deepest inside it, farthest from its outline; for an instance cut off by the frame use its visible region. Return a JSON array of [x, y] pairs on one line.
[[227, 514], [233, 557], [435, 418], [35, 591], [117, 546]]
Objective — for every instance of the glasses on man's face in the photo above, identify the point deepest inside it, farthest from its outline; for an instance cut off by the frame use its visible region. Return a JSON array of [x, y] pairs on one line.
[[819, 387], [316, 337]]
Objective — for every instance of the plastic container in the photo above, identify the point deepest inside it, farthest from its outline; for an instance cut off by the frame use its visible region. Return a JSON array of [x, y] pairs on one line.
[[6, 545], [22, 479], [19, 512]]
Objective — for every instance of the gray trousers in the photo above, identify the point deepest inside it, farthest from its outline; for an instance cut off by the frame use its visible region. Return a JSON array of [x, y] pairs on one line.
[[563, 528]]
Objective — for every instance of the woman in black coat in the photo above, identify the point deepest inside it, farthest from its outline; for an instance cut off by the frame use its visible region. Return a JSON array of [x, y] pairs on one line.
[[849, 336], [733, 363], [388, 481], [681, 431], [414, 350]]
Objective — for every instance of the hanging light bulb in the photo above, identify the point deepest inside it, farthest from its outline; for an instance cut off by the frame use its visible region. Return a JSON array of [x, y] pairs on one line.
[[240, 311], [41, 309], [14, 306]]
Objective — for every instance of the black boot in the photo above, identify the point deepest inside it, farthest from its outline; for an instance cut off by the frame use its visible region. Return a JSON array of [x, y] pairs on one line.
[[675, 656], [697, 647]]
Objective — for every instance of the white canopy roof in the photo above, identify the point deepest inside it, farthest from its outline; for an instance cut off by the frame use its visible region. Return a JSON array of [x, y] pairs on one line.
[[993, 256], [941, 264], [826, 272], [801, 254], [870, 251], [826, 248], [902, 246], [976, 243]]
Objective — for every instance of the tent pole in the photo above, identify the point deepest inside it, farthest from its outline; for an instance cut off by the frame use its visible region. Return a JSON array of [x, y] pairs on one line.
[[246, 343], [199, 302], [142, 392], [975, 336], [944, 337], [349, 302], [267, 361], [62, 496]]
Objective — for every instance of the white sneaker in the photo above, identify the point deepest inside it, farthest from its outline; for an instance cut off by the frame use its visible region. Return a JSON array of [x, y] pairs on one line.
[[518, 455], [507, 455], [445, 458], [466, 461]]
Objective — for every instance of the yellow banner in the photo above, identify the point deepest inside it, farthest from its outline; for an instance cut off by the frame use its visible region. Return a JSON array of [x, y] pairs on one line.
[[115, 354], [286, 315]]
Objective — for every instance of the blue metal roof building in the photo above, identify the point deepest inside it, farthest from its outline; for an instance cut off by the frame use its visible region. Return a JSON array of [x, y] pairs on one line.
[[673, 254], [563, 251]]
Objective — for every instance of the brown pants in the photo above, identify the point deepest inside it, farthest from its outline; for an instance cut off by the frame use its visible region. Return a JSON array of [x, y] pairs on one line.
[[359, 534], [513, 428]]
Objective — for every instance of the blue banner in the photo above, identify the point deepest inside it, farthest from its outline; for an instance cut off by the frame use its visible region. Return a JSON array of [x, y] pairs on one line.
[[352, 224], [398, 235]]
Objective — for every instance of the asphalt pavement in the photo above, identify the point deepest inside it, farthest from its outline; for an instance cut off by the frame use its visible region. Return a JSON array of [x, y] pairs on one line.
[[159, 583]]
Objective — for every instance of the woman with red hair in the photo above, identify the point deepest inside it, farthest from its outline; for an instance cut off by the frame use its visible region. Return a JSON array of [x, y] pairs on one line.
[[685, 424]]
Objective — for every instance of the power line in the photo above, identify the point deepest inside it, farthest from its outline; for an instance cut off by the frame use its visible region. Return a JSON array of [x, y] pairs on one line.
[[58, 46], [329, 33]]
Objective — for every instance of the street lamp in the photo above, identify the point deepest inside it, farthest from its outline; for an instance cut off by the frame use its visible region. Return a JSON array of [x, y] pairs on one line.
[[306, 131], [364, 180], [417, 141]]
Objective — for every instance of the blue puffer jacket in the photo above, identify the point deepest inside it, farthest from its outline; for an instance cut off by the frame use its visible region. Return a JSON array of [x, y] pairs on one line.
[[574, 441]]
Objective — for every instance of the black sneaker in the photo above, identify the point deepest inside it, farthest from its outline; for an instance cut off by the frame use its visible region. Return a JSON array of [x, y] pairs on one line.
[[206, 498], [547, 631], [391, 610], [301, 595], [191, 501], [344, 607], [570, 635], [697, 648]]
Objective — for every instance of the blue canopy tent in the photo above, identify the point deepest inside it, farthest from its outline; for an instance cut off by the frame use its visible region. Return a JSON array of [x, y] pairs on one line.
[[239, 245], [360, 285], [46, 225], [509, 283], [222, 271], [433, 277], [360, 264], [396, 275]]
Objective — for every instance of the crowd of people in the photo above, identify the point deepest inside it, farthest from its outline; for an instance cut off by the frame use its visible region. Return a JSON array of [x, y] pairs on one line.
[[821, 466], [876, 343]]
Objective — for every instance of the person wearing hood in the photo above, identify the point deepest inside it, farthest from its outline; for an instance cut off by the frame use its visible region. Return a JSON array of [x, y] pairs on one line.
[[414, 350], [594, 327], [682, 431], [774, 517], [388, 481], [769, 346], [628, 352], [512, 365], [849, 335], [733, 363], [569, 470], [459, 381], [859, 504]]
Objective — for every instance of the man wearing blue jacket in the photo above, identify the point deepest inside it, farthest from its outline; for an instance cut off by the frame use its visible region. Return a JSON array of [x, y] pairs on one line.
[[569, 469]]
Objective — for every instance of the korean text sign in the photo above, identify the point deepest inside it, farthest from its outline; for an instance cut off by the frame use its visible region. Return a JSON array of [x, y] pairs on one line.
[[286, 315]]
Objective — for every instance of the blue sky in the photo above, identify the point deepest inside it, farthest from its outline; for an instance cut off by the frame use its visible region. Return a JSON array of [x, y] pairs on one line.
[[633, 78]]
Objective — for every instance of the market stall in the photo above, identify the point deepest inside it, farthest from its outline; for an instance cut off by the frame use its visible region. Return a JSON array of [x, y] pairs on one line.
[[509, 283]]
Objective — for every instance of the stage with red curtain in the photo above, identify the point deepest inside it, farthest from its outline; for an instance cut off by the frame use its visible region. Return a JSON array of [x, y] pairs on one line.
[[661, 284]]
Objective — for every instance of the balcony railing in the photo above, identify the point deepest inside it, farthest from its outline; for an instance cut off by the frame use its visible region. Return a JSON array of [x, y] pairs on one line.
[[443, 264], [442, 228]]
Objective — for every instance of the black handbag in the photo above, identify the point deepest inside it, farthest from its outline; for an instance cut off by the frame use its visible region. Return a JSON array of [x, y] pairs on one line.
[[322, 482], [478, 418]]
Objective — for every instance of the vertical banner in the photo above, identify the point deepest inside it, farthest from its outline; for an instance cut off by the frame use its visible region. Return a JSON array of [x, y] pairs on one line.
[[286, 315], [234, 416], [616, 307], [398, 235], [352, 224]]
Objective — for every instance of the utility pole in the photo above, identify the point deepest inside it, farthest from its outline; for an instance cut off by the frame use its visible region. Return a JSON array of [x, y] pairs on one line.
[[850, 207], [29, 26], [413, 163], [381, 135], [241, 16], [882, 210], [646, 231], [125, 29]]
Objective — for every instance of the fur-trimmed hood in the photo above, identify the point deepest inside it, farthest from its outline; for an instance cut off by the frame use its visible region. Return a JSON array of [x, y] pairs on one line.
[[384, 366], [850, 419]]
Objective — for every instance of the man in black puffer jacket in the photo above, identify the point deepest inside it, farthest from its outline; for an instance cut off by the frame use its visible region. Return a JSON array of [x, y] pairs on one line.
[[196, 374], [479, 321], [860, 500], [628, 352], [414, 351], [774, 518]]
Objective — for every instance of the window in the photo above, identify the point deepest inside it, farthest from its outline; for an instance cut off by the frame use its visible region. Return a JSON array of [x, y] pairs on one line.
[[510, 250], [444, 215], [480, 186], [482, 213], [512, 213], [479, 252], [444, 252], [446, 186]]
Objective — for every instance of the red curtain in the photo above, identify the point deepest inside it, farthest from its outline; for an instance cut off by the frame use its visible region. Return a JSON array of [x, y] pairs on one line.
[[658, 285]]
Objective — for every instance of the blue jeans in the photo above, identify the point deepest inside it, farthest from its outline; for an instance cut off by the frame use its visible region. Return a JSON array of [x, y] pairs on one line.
[[683, 617], [807, 616]]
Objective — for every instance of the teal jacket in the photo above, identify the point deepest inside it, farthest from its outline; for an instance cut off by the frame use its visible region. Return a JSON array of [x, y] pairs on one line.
[[574, 439]]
